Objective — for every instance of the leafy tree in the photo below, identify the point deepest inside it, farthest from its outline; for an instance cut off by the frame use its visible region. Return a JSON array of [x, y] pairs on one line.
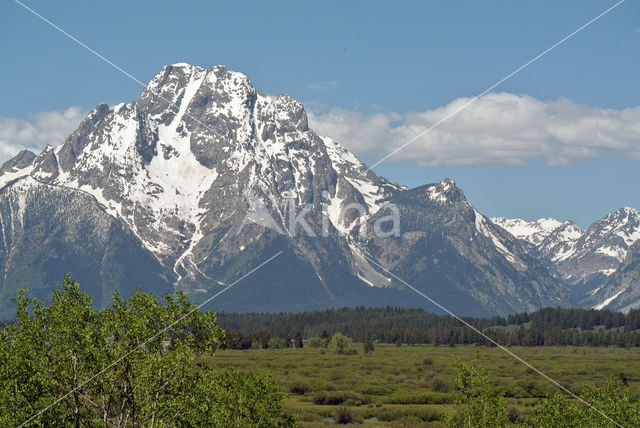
[[554, 411], [339, 342], [66, 364], [480, 405], [613, 400], [234, 399], [276, 342]]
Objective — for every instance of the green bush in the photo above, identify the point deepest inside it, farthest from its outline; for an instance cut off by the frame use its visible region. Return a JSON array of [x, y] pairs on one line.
[[514, 391], [335, 398], [299, 388], [277, 342], [342, 415], [317, 342], [339, 342], [440, 385], [368, 347]]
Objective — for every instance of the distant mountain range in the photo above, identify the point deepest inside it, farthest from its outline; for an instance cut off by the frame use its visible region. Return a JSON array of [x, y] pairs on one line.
[[599, 264], [197, 182]]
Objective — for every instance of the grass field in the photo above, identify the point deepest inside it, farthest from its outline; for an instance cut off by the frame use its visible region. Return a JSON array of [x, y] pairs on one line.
[[415, 385]]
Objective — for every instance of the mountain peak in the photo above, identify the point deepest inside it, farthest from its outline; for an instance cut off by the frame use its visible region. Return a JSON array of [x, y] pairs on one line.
[[445, 191], [175, 170], [533, 232]]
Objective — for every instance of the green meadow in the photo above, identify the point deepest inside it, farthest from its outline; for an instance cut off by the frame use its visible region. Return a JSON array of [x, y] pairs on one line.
[[415, 385]]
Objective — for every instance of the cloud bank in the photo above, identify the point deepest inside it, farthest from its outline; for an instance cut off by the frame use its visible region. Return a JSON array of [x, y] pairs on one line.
[[43, 128], [499, 129]]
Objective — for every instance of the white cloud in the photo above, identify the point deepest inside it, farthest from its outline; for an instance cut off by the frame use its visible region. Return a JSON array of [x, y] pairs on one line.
[[497, 130], [50, 127]]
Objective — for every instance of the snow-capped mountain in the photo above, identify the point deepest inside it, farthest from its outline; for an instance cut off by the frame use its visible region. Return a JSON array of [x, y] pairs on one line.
[[601, 249], [621, 290], [531, 231], [173, 177], [591, 261], [560, 244]]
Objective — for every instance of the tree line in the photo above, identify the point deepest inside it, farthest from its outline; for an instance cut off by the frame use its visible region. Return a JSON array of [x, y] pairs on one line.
[[545, 327]]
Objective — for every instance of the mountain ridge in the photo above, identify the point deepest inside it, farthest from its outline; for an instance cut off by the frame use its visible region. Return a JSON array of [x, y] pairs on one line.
[[178, 169]]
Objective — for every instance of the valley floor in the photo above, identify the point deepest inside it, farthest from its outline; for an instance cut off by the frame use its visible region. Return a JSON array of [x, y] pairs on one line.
[[415, 385]]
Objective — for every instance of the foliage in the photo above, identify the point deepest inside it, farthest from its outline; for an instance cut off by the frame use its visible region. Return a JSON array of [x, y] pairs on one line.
[[121, 366], [368, 347], [276, 342], [342, 415], [234, 399], [612, 400], [317, 342], [299, 388], [334, 398], [339, 342], [480, 405]]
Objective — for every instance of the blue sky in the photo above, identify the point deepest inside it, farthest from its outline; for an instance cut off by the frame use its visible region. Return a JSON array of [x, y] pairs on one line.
[[371, 60]]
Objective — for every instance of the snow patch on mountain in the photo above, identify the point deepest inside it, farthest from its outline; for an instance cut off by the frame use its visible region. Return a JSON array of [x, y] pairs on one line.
[[531, 231], [438, 192], [608, 301], [14, 173], [483, 227]]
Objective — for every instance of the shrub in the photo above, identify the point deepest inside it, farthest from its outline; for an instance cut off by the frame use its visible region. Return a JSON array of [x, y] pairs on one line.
[[339, 342], [335, 398], [440, 385], [299, 388], [309, 417], [325, 398], [368, 347], [376, 390], [277, 342], [513, 415], [514, 391], [317, 342], [342, 415]]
